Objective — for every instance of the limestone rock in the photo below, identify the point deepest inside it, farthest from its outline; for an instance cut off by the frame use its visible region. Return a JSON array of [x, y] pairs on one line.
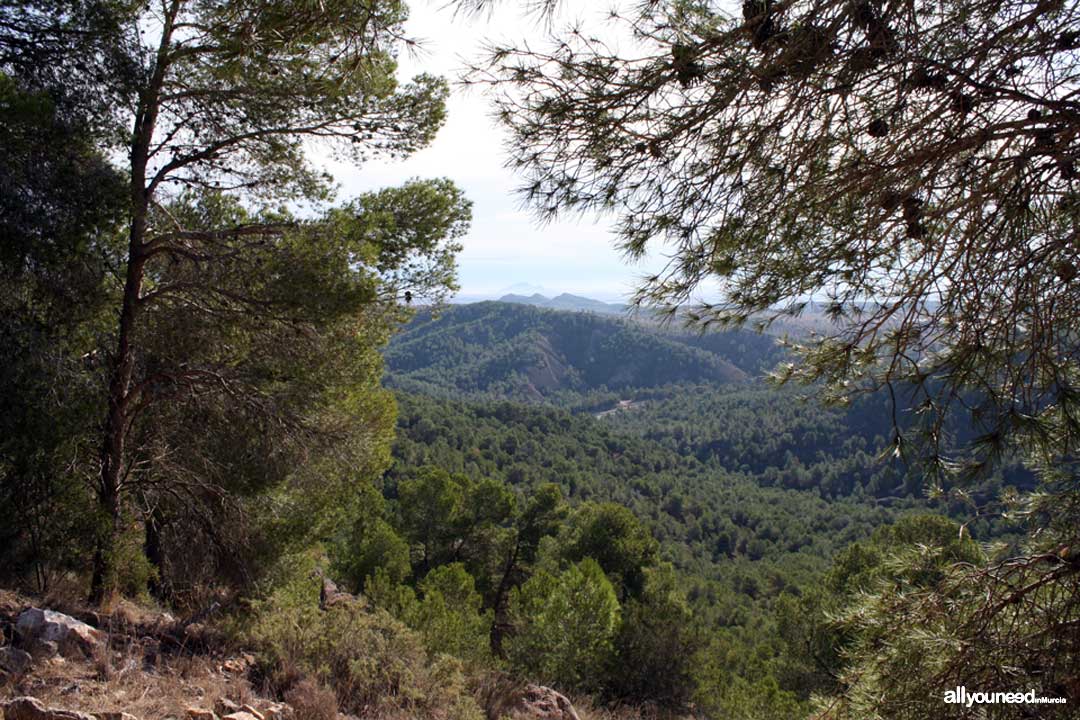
[[240, 716], [542, 703], [68, 633], [275, 711], [330, 595], [236, 666], [28, 708], [252, 711], [14, 660]]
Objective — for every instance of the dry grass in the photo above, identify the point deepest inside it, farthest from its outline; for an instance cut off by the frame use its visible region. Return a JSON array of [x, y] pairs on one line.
[[66, 594], [311, 701], [496, 693], [155, 668], [152, 666], [124, 680], [11, 602]]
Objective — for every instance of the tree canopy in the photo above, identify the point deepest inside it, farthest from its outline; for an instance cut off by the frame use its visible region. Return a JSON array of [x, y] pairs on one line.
[[241, 351]]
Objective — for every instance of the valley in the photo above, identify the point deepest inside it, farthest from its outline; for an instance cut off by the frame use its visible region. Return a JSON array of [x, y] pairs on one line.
[[751, 490]]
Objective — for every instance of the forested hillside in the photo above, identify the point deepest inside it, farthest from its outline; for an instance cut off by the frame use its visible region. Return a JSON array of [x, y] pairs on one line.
[[704, 515], [756, 494], [702, 396], [515, 351]]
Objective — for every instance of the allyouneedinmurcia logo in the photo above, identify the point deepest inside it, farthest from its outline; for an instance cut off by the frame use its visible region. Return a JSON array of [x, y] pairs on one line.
[[960, 696]]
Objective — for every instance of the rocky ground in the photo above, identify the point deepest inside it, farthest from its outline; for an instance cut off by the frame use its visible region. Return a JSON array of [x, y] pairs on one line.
[[135, 664], [130, 663]]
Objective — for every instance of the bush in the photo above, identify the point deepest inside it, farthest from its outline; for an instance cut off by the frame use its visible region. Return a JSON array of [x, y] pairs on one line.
[[449, 617], [312, 701], [566, 626], [375, 664]]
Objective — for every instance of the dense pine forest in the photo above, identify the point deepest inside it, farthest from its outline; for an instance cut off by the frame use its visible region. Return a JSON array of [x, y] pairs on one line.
[[757, 496]]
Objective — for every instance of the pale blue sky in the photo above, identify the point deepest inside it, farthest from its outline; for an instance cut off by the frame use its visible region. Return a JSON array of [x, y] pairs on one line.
[[506, 245]]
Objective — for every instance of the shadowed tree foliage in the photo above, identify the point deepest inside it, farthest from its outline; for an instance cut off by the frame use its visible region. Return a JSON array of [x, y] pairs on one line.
[[60, 206], [658, 639], [260, 370], [931, 614], [204, 98]]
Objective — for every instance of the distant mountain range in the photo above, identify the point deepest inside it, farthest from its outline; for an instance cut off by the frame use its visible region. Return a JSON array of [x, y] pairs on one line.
[[812, 320], [566, 301]]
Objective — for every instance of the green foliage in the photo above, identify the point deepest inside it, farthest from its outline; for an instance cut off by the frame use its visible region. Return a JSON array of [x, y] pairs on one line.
[[566, 626], [834, 154], [449, 617], [394, 596], [760, 699], [819, 643], [243, 340], [749, 492], [379, 548], [59, 211], [410, 233], [450, 517], [780, 436], [611, 535], [373, 661], [304, 421], [1003, 627], [722, 512], [657, 642]]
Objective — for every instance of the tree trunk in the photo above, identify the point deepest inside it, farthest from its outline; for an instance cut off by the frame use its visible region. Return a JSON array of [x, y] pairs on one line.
[[158, 585], [103, 583], [118, 420], [501, 623], [116, 424]]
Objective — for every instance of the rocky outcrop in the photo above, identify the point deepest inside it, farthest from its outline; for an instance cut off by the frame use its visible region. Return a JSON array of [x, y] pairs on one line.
[[226, 709], [537, 702], [28, 708], [15, 661], [330, 595], [276, 711], [70, 635]]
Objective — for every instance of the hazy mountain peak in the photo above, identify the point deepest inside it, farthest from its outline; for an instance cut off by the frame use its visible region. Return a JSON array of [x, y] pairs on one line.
[[564, 301], [526, 289]]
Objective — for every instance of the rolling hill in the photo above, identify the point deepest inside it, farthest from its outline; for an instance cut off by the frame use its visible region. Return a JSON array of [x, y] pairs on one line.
[[522, 352]]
